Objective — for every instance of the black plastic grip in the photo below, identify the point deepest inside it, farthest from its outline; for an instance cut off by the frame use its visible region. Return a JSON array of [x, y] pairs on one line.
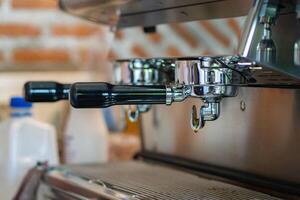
[[45, 91], [101, 95]]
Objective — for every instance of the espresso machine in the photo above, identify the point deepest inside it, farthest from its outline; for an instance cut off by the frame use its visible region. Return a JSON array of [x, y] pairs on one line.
[[212, 127]]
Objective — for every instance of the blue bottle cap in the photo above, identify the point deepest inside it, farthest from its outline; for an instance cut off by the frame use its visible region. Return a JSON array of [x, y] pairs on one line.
[[19, 102]]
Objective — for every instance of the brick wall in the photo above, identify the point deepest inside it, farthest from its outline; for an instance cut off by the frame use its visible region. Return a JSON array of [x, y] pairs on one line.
[[34, 34]]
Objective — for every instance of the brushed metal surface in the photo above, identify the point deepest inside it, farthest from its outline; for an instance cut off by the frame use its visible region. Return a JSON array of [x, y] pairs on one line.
[[264, 139], [170, 11], [149, 13]]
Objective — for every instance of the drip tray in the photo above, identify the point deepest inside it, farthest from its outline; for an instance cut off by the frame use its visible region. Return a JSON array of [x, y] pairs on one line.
[[140, 180]]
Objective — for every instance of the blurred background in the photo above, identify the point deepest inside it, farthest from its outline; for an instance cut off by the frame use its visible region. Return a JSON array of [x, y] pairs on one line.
[[39, 42]]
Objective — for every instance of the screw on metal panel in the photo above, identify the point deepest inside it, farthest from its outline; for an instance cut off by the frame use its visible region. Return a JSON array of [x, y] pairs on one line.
[[242, 105]]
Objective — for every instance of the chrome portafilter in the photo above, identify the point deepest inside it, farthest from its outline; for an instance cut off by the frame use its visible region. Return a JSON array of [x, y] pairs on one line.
[[164, 81], [148, 82], [210, 80], [143, 72]]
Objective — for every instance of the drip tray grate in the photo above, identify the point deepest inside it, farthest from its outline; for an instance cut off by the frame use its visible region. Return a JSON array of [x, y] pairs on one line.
[[151, 181]]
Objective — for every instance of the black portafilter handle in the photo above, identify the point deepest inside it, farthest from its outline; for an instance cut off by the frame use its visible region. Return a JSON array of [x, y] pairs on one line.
[[95, 94], [46, 91], [102, 95]]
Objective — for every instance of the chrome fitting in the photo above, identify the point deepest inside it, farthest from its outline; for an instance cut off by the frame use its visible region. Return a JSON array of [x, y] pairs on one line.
[[177, 93], [210, 111]]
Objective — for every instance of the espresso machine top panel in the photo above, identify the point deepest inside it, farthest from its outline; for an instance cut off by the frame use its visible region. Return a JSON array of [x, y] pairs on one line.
[[127, 13]]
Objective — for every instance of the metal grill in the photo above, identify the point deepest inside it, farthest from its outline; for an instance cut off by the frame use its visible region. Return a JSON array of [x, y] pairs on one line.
[[149, 181]]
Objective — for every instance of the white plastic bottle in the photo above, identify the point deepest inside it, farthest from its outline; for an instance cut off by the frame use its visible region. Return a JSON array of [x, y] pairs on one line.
[[86, 137], [23, 142]]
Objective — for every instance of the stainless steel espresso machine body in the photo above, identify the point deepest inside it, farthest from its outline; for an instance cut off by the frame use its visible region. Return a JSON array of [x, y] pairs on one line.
[[245, 133]]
